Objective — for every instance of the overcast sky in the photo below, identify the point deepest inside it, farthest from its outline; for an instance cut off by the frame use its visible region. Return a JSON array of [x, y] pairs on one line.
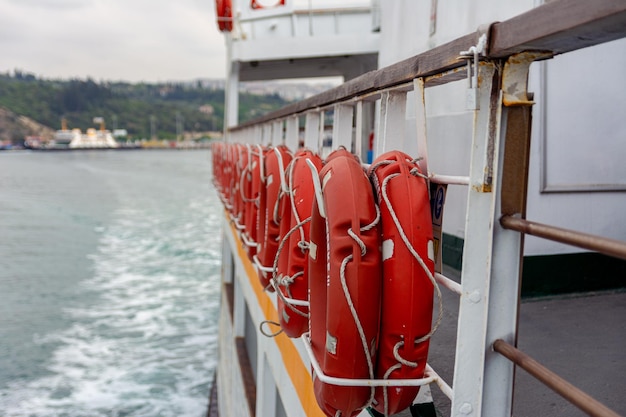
[[130, 40]]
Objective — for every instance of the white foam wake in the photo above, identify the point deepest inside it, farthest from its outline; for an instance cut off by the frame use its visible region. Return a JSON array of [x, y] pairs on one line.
[[144, 344]]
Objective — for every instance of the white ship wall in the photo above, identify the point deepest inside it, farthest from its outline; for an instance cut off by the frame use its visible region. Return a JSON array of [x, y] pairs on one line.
[[580, 104]]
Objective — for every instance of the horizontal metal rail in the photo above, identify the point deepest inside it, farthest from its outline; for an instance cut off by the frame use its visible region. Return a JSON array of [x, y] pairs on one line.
[[600, 244], [313, 11], [574, 395]]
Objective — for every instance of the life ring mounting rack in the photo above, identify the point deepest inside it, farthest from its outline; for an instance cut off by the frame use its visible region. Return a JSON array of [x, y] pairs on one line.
[[431, 377]]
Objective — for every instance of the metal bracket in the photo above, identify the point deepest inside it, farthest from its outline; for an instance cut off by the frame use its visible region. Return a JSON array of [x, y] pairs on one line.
[[515, 78], [472, 56]]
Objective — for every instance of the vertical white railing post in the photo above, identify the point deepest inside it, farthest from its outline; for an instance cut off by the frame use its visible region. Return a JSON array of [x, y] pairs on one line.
[[266, 138], [478, 250], [392, 118], [342, 126], [256, 136], [420, 122], [277, 133], [312, 128], [231, 114], [292, 133], [358, 129], [508, 245]]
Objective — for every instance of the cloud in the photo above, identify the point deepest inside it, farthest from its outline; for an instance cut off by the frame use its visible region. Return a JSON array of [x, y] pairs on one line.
[[133, 40]]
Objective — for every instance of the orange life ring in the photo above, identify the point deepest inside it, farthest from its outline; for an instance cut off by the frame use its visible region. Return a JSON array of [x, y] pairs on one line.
[[223, 173], [256, 5], [224, 11], [216, 159], [268, 224], [230, 170], [292, 267], [241, 161], [250, 187], [408, 269], [345, 282]]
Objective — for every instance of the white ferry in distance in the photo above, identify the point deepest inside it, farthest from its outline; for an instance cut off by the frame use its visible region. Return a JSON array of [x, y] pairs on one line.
[[74, 139], [381, 240]]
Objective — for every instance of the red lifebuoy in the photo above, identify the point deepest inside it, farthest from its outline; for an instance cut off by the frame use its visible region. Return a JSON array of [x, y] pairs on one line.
[[292, 271], [241, 162], [250, 187], [231, 172], [224, 11], [408, 269], [345, 282], [256, 5], [268, 225]]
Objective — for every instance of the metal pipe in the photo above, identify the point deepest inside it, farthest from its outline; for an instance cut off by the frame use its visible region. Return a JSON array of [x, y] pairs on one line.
[[572, 394], [600, 244], [449, 179], [453, 286], [350, 382]]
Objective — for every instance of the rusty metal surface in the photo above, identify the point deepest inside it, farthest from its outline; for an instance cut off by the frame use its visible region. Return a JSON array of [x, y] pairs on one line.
[[515, 78]]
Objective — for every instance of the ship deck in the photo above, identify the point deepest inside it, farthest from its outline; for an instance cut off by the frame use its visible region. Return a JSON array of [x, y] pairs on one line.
[[561, 332]]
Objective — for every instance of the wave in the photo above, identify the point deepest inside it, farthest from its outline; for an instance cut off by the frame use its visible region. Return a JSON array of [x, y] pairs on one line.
[[143, 342]]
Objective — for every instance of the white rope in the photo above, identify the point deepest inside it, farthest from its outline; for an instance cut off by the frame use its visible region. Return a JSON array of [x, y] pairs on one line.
[[346, 292], [241, 180], [385, 393], [276, 281], [292, 196], [399, 358], [357, 321]]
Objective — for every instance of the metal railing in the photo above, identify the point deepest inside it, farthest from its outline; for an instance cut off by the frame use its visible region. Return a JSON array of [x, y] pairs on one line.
[[496, 184]]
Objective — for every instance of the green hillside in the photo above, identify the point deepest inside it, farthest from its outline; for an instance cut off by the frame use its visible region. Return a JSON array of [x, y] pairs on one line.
[[125, 105]]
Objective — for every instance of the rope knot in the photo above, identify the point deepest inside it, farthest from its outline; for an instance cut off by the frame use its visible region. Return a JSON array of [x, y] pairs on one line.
[[304, 246]]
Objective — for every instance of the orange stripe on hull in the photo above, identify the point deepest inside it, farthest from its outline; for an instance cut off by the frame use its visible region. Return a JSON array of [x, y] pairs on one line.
[[298, 372]]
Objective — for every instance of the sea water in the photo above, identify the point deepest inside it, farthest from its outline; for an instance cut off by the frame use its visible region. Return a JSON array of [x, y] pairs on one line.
[[109, 283]]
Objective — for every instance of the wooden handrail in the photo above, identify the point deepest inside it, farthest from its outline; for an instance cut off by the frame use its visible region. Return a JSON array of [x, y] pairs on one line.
[[555, 27], [574, 395]]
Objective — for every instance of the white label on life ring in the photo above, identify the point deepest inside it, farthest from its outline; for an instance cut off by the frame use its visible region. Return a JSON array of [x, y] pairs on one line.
[[387, 249], [431, 251], [313, 250], [327, 177], [331, 343]]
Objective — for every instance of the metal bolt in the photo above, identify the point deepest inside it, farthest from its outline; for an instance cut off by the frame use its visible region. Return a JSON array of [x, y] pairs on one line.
[[474, 297], [466, 408]]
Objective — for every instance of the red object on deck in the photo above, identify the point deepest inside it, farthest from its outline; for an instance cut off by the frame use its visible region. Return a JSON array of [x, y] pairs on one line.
[[407, 304], [345, 281]]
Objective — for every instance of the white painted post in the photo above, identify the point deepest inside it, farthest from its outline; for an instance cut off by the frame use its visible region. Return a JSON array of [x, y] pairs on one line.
[[358, 130], [265, 388], [312, 131], [478, 252], [256, 136], [391, 122], [342, 126], [231, 115], [266, 139], [420, 121], [292, 133], [277, 133]]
